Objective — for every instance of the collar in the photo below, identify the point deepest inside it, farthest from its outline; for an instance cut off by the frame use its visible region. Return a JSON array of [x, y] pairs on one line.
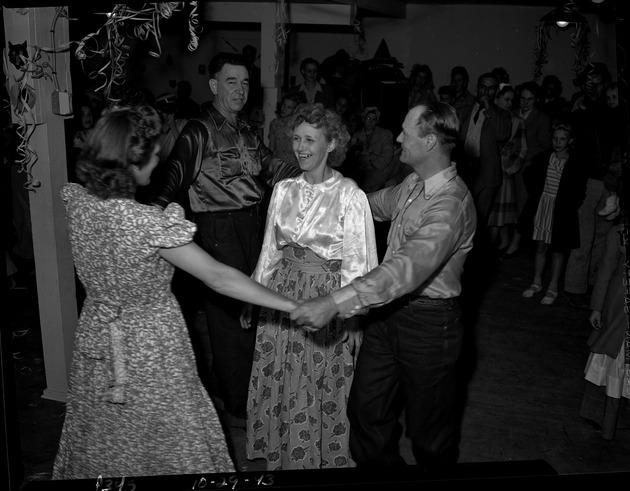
[[318, 87], [524, 114], [434, 183], [219, 120]]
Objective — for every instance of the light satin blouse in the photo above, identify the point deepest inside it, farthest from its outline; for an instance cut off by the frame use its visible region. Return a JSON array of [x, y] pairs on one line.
[[331, 218]]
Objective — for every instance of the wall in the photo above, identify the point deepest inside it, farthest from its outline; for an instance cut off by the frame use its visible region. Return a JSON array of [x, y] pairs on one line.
[[479, 37], [161, 77]]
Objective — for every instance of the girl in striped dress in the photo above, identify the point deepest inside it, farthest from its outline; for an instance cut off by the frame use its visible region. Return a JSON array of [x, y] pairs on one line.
[[556, 185]]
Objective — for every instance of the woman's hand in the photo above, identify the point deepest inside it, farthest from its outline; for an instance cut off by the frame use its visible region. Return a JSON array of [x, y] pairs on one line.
[[353, 336], [246, 316], [596, 319]]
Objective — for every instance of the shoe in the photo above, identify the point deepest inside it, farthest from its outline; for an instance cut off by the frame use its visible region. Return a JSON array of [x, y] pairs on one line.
[[532, 290], [549, 298], [611, 206]]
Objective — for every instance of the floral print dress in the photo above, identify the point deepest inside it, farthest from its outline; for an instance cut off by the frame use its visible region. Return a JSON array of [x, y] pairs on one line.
[[135, 403]]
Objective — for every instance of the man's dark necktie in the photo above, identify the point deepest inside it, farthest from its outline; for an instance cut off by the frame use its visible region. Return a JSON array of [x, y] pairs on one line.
[[476, 117]]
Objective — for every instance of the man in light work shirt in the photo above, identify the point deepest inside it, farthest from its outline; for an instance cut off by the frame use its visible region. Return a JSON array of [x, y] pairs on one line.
[[413, 340]]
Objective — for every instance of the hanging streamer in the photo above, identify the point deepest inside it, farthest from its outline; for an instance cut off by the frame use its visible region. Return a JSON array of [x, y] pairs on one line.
[[359, 33], [580, 42], [146, 26], [193, 27], [281, 33]]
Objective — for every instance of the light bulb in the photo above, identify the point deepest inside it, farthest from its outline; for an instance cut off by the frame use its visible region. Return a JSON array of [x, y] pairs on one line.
[[562, 23]]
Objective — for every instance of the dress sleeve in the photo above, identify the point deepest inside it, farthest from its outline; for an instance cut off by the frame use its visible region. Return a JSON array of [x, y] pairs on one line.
[[70, 191], [606, 270], [359, 243], [169, 228], [270, 255]]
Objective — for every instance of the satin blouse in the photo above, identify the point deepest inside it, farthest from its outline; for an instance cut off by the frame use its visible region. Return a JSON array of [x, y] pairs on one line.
[[331, 218]]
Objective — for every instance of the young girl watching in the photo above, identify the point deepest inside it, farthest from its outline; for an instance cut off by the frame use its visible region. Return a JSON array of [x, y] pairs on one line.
[[556, 184]]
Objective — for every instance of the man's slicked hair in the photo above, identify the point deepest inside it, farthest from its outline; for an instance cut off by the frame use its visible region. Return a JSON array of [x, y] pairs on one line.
[[220, 59], [439, 119]]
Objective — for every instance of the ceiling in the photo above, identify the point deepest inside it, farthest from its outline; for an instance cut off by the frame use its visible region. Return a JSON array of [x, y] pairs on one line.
[[582, 5], [608, 9]]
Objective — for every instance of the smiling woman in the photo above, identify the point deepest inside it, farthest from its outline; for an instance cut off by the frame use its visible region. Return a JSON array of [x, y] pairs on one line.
[[319, 236]]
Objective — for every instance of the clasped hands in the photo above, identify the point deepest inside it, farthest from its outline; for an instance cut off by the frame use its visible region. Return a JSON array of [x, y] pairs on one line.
[[311, 314]]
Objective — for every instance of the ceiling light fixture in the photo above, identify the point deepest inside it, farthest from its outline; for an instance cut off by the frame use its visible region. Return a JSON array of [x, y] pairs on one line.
[[563, 16]]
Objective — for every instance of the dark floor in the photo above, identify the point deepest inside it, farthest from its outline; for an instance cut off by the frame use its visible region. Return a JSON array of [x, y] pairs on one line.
[[522, 382]]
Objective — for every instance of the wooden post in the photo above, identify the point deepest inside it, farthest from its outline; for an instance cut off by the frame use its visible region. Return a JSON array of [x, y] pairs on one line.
[[44, 119]]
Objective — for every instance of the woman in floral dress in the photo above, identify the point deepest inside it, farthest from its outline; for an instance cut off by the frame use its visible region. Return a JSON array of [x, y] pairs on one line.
[[319, 236], [135, 404]]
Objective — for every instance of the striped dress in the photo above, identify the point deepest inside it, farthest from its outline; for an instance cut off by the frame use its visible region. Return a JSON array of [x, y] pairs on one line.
[[543, 221]]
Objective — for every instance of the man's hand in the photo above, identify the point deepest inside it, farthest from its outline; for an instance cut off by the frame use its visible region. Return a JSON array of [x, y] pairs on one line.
[[314, 314], [595, 319]]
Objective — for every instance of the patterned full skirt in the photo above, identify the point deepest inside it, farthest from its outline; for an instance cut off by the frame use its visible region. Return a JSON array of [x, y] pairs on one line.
[[296, 411]]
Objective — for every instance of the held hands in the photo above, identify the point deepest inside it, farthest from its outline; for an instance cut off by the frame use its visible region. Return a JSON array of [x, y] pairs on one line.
[[314, 314], [250, 314]]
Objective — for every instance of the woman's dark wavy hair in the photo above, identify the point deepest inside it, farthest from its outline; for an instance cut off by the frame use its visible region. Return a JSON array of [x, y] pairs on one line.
[[122, 137], [418, 68], [334, 129]]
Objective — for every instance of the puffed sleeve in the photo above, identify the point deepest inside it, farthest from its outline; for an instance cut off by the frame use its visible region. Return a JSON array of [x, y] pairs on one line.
[[270, 254], [168, 228], [70, 191], [359, 243]]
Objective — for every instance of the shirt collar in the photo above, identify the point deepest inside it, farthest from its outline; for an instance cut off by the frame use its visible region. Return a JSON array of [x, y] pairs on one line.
[[434, 183], [524, 114], [220, 120]]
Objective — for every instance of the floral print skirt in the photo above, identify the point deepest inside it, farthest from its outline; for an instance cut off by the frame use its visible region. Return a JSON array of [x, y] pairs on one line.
[[298, 393]]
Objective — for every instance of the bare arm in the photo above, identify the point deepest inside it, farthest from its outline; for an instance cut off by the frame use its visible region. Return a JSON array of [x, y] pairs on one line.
[[224, 279]]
